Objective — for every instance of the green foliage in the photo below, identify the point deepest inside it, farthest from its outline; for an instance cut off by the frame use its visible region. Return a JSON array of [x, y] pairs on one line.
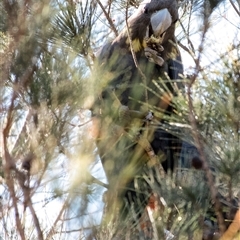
[[46, 59], [74, 25]]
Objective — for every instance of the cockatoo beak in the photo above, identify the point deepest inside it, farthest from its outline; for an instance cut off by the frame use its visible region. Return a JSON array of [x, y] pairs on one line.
[[160, 22]]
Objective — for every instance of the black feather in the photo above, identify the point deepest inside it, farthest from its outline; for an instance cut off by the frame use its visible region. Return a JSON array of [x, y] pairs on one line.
[[123, 159]]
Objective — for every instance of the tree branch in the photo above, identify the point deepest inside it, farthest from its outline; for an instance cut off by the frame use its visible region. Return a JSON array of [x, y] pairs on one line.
[[235, 8], [9, 165], [52, 230], [110, 21], [198, 141]]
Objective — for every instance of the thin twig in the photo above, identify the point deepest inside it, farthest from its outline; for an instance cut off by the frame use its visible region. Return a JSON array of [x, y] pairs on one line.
[[100, 183], [35, 220], [78, 230], [235, 8], [52, 231], [192, 51], [197, 138], [9, 164], [28, 201], [108, 18], [134, 56], [187, 50], [188, 29], [77, 125]]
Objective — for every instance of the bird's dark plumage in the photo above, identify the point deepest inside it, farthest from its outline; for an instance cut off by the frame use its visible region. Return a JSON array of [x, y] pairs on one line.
[[127, 78]]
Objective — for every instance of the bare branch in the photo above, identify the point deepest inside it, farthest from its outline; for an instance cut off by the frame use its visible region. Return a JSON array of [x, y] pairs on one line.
[[198, 141], [235, 8], [35, 220], [9, 165], [52, 230], [110, 21], [100, 183]]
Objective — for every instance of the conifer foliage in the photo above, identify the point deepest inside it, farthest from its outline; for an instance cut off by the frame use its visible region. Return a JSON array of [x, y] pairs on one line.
[[51, 180]]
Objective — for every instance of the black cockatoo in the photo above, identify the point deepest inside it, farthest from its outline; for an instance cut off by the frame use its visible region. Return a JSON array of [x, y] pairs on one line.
[[137, 73]]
